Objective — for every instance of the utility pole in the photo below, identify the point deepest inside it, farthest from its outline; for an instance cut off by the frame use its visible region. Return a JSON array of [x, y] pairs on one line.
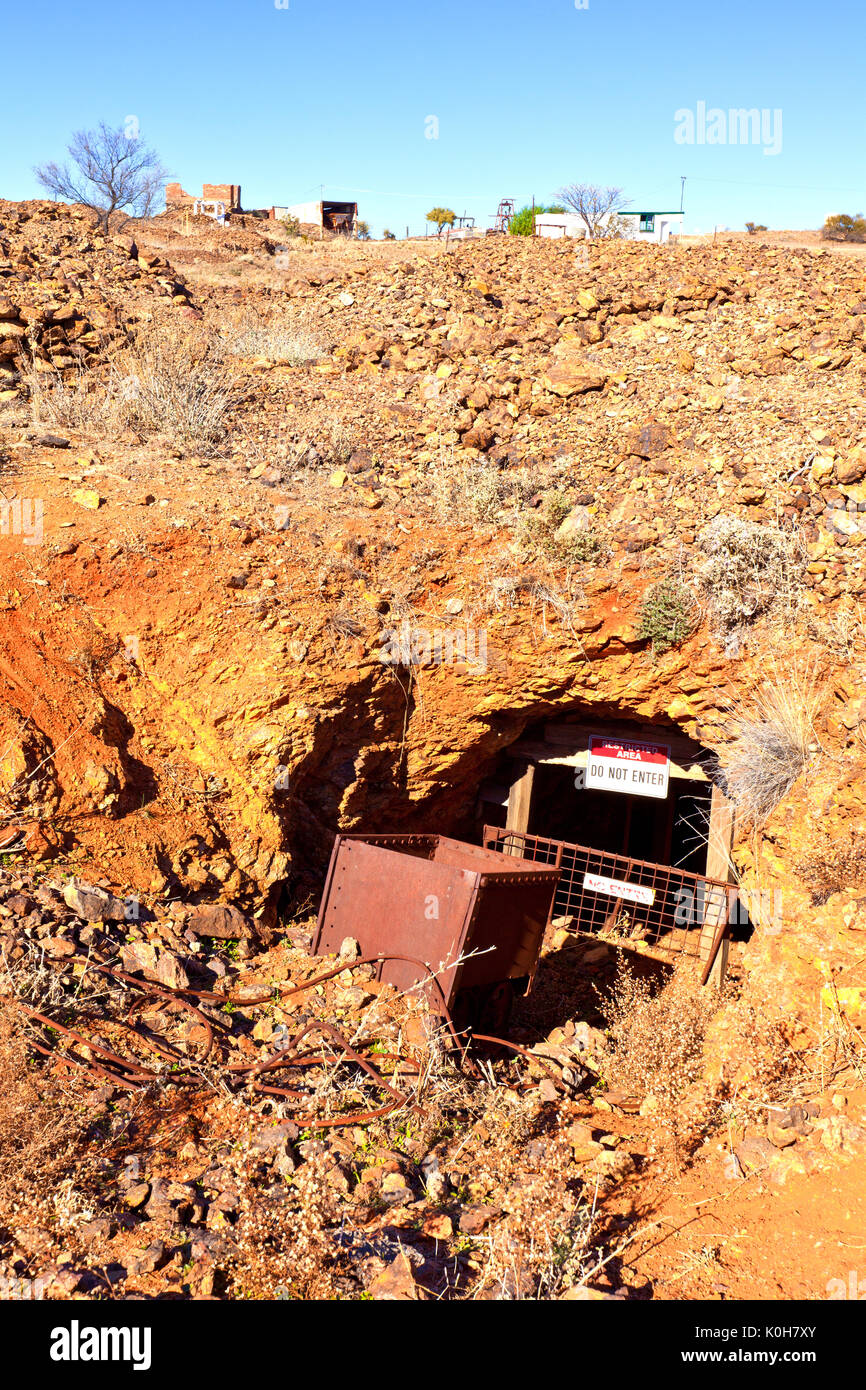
[[682, 190]]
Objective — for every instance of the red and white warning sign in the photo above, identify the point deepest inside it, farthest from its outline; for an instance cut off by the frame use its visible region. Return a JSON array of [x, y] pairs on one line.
[[617, 888], [626, 765]]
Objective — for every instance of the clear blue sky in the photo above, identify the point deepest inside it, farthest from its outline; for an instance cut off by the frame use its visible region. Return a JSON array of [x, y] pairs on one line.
[[529, 94]]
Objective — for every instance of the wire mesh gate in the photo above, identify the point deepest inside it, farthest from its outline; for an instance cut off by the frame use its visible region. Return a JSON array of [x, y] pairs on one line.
[[655, 909]]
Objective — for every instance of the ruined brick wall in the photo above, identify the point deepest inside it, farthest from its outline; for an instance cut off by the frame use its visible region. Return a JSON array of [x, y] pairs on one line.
[[175, 194], [228, 193]]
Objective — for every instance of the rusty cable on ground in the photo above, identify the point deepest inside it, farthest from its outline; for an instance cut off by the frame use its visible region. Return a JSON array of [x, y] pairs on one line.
[[133, 1075], [137, 1075]]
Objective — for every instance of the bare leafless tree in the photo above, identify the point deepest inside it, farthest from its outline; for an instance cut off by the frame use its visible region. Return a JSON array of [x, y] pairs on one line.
[[597, 207], [111, 171]]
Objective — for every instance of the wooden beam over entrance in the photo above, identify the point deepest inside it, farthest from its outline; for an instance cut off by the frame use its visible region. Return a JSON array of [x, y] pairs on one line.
[[567, 745], [685, 752]]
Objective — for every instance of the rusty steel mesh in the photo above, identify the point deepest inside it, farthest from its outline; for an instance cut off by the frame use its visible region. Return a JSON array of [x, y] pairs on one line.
[[654, 908]]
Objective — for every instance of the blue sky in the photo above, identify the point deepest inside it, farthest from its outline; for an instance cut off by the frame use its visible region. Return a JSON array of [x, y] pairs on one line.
[[527, 96]]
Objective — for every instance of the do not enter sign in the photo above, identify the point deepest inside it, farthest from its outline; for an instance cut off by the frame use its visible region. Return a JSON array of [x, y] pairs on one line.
[[625, 765]]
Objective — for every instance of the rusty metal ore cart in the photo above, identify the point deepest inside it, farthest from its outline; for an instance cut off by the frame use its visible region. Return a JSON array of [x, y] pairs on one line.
[[475, 916]]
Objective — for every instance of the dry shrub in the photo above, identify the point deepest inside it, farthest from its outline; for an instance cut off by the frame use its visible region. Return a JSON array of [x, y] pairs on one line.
[[172, 380], [335, 443], [284, 1242], [775, 742], [339, 443], [524, 482], [751, 569], [549, 599], [47, 1167], [834, 867], [281, 340], [537, 528], [656, 1047], [546, 1240], [463, 492], [499, 588], [80, 402], [176, 381], [843, 631]]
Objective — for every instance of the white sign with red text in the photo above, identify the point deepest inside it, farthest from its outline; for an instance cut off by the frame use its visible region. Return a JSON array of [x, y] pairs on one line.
[[617, 888], [628, 765]]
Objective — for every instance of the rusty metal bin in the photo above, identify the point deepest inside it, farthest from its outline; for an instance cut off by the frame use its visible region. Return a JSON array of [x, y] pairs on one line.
[[474, 915]]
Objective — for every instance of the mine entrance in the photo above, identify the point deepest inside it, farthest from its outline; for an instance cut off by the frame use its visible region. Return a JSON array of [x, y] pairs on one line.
[[672, 831], [549, 785], [635, 809]]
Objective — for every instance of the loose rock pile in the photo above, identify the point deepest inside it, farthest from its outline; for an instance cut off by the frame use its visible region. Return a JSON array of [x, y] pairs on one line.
[[392, 1192], [68, 293], [665, 384]]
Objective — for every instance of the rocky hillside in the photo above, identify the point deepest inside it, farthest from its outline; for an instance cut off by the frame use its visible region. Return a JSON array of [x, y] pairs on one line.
[[638, 472], [68, 293], [509, 436], [724, 369]]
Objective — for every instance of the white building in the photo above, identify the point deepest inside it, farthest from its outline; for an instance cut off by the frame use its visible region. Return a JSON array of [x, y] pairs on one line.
[[652, 226], [559, 224], [325, 216], [638, 226]]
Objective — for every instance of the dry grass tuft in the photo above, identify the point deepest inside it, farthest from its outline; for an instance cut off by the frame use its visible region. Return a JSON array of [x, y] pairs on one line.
[[463, 492], [338, 443], [170, 380], [657, 1050], [775, 743], [280, 340], [176, 382], [77, 403]]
